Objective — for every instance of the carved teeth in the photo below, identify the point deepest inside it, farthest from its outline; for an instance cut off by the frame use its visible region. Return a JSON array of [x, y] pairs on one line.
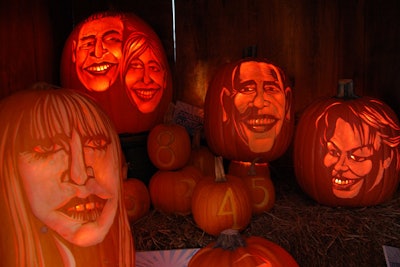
[[145, 94], [262, 121], [99, 68], [343, 182]]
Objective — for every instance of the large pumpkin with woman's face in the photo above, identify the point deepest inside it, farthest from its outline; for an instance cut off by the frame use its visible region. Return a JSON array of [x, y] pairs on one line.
[[119, 60], [248, 111], [60, 183], [346, 150]]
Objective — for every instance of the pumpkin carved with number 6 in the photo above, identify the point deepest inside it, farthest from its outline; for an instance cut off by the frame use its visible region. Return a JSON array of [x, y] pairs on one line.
[[346, 150], [248, 111]]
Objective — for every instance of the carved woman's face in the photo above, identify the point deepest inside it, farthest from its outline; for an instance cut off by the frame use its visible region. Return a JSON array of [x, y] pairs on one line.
[[72, 186]]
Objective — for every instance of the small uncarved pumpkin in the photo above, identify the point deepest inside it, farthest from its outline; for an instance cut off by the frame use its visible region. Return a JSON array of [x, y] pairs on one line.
[[233, 250], [201, 156], [346, 150], [257, 179], [248, 111], [168, 146], [136, 198], [171, 191], [221, 202]]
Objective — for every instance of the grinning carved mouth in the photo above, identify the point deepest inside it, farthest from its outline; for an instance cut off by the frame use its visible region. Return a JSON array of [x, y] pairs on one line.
[[260, 123], [341, 183], [99, 69], [145, 94], [84, 209]]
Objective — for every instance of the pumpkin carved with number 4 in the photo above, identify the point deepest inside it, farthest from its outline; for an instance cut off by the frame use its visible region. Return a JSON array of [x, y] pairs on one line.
[[346, 150], [221, 202]]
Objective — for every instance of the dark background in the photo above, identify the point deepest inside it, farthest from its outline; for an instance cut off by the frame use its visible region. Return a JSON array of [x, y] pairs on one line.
[[317, 42]]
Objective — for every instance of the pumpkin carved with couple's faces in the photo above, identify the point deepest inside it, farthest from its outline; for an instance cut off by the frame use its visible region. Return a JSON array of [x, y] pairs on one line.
[[248, 111], [60, 183], [119, 60], [346, 150]]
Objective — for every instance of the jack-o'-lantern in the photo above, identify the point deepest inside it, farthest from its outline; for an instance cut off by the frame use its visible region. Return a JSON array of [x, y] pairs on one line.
[[248, 111], [118, 59], [168, 146], [171, 191], [257, 178], [221, 202], [136, 198], [346, 150], [233, 250], [60, 182]]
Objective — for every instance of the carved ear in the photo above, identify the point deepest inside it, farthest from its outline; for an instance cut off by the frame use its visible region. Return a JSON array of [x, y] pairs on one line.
[[226, 103], [288, 97], [388, 160]]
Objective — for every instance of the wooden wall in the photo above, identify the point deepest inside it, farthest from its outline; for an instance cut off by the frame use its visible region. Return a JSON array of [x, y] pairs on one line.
[[315, 41]]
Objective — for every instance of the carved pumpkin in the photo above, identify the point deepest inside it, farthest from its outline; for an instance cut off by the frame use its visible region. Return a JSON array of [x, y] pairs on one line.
[[168, 146], [201, 157], [136, 198], [221, 202], [119, 60], [60, 183], [233, 250], [346, 150], [248, 111], [258, 180], [171, 191]]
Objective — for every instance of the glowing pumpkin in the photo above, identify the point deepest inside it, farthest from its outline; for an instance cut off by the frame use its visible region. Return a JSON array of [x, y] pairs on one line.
[[248, 111], [258, 180], [60, 181], [136, 198], [168, 146], [171, 191], [346, 150], [233, 250], [119, 60], [221, 202]]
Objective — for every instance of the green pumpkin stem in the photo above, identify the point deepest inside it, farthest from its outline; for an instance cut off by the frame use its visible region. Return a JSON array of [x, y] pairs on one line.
[[252, 170], [219, 170], [346, 90], [230, 239]]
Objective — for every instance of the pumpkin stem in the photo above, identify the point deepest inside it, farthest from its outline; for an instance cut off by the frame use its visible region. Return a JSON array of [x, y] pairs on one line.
[[219, 170], [230, 239], [252, 170], [346, 90]]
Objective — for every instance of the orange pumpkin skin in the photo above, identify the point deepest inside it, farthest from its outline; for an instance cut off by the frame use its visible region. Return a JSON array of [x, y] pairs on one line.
[[171, 191], [314, 166], [256, 252], [131, 110], [238, 130], [217, 206], [258, 180], [168, 146], [203, 159], [136, 198]]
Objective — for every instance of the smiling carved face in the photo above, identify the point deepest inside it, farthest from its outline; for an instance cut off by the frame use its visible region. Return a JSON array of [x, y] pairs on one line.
[[72, 186], [352, 161], [98, 52], [260, 105]]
